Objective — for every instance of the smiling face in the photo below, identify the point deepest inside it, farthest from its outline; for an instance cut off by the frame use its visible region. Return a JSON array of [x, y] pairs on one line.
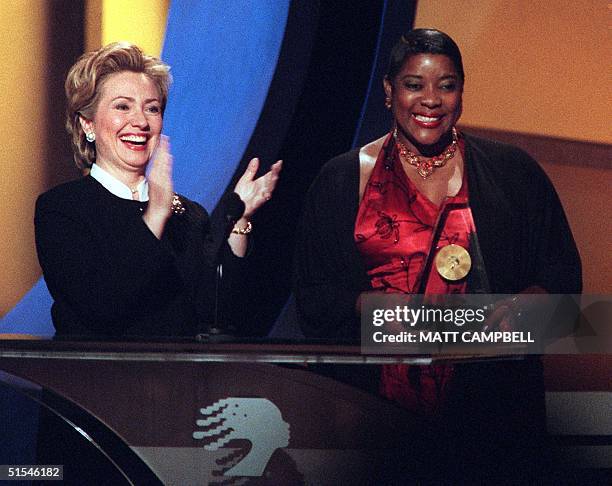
[[426, 102], [127, 124]]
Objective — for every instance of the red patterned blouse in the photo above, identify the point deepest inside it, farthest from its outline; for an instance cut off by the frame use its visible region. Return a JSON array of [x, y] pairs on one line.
[[394, 231]]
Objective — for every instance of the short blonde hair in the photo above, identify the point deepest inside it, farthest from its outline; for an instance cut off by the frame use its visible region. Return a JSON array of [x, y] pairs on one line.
[[84, 82]]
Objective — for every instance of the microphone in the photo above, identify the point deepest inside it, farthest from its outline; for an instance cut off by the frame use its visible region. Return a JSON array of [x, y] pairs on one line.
[[234, 208], [227, 212]]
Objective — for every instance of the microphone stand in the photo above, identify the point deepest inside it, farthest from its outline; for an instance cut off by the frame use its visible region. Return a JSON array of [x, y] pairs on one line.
[[233, 208]]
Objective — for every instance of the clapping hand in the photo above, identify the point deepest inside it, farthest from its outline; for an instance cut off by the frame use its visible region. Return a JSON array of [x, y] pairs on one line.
[[161, 189], [256, 192]]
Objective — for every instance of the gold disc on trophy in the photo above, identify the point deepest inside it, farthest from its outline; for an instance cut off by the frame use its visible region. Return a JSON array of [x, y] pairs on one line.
[[453, 262]]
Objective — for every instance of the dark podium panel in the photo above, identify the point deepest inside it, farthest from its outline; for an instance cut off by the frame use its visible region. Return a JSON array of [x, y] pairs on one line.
[[181, 413], [220, 414], [40, 429]]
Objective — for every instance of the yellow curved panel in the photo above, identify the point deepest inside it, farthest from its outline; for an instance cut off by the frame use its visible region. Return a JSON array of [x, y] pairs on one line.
[[142, 22], [23, 105]]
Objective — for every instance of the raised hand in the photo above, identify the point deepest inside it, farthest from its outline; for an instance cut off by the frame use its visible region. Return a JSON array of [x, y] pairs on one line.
[[161, 189], [255, 192]]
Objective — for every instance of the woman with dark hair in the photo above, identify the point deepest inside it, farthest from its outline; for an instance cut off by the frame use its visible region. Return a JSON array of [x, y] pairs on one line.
[[121, 252], [368, 223]]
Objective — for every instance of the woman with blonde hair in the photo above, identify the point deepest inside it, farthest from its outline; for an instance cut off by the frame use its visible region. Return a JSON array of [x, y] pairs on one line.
[[121, 252]]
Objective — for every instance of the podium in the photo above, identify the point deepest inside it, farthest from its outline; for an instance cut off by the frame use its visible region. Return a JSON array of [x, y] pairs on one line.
[[192, 413], [238, 413]]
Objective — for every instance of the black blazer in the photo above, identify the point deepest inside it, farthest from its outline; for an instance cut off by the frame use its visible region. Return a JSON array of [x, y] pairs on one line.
[[110, 276], [522, 230]]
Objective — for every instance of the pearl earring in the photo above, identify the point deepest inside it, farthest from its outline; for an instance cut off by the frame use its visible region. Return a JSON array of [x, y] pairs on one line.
[[90, 136]]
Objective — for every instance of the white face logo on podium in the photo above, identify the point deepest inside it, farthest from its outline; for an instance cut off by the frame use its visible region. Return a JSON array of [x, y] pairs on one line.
[[257, 420]]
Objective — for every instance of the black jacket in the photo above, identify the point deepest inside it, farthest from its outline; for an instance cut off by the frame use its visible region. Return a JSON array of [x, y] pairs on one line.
[[110, 276], [522, 230], [494, 418]]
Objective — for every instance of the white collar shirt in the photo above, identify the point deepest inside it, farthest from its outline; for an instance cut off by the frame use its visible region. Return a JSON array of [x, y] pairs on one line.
[[116, 187]]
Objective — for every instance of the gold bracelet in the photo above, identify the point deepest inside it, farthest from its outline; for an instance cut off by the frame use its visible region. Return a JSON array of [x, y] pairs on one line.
[[243, 231]]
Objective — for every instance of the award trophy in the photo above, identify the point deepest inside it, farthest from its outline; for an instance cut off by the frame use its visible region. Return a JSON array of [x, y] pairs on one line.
[[454, 262]]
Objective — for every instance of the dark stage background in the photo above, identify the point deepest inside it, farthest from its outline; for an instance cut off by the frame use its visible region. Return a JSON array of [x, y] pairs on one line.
[[326, 97]]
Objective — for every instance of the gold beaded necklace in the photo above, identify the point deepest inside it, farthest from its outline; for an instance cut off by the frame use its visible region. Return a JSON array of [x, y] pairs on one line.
[[425, 166]]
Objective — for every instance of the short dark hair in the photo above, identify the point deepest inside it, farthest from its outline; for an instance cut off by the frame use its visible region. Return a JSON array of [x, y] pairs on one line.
[[423, 41]]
